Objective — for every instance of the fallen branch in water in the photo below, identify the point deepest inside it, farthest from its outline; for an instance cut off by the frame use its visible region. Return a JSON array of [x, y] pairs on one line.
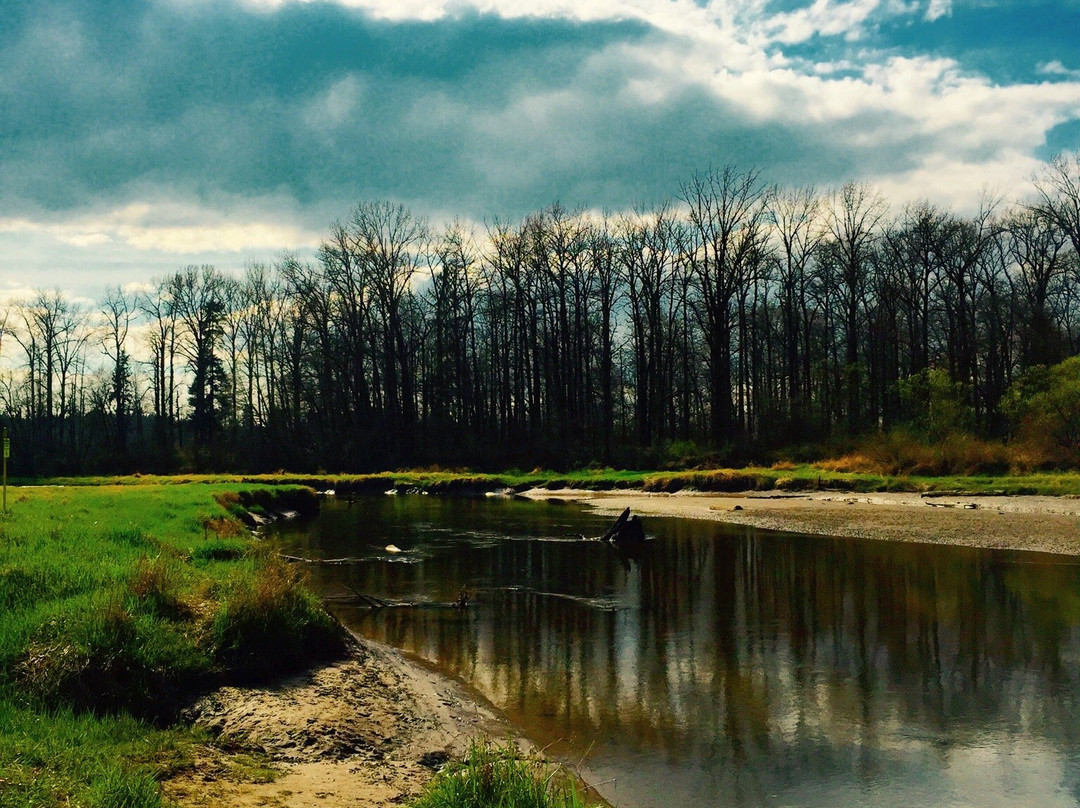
[[372, 602], [360, 599], [302, 560]]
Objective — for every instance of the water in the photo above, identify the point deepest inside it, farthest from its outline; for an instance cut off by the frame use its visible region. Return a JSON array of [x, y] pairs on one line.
[[726, 666]]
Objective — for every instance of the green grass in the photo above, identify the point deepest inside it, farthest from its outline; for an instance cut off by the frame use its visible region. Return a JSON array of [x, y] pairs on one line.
[[499, 777], [117, 604], [781, 477], [61, 757]]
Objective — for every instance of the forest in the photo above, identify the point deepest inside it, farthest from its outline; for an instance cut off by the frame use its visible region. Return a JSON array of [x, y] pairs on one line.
[[737, 320]]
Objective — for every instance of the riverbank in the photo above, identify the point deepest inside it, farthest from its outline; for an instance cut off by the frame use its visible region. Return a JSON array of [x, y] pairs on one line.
[[121, 604], [118, 605], [368, 731], [1048, 524], [394, 734]]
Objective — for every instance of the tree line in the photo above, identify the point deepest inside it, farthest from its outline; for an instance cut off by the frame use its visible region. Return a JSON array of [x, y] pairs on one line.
[[735, 319]]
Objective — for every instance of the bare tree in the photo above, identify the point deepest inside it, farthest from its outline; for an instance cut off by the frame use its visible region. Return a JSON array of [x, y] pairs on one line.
[[797, 228], [52, 337], [1058, 189], [159, 308], [852, 223], [724, 245], [1037, 247]]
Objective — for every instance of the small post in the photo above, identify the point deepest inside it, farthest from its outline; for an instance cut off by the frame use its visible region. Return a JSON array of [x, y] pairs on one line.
[[7, 454]]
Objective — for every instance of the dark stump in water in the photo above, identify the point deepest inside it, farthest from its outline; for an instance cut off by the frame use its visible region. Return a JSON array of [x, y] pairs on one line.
[[626, 530]]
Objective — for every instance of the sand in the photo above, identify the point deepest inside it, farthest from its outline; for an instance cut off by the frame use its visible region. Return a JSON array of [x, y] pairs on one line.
[[1035, 523], [371, 730]]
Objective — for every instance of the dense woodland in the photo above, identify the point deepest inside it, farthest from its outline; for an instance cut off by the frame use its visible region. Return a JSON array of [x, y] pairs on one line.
[[733, 321]]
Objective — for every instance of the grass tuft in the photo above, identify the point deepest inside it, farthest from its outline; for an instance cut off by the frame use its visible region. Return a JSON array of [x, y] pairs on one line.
[[155, 586], [118, 788], [221, 550], [493, 776]]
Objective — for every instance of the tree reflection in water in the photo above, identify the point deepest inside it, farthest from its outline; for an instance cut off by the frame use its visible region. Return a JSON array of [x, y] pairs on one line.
[[725, 665]]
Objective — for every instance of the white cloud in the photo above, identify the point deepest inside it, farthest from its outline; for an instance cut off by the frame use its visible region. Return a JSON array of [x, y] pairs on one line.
[[1056, 68], [824, 18], [938, 9], [173, 229], [133, 288], [958, 183], [902, 7], [734, 50], [11, 293], [438, 9], [83, 254]]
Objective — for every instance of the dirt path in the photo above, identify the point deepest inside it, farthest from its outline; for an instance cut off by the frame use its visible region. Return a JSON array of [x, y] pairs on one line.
[[368, 731], [1045, 524]]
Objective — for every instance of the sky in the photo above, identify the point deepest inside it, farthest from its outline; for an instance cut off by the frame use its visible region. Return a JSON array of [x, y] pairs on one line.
[[141, 136]]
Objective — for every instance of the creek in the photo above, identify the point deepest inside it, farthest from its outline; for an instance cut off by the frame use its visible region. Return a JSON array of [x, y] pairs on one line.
[[721, 665]]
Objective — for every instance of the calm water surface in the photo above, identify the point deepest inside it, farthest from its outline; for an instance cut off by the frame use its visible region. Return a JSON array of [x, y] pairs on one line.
[[725, 666]]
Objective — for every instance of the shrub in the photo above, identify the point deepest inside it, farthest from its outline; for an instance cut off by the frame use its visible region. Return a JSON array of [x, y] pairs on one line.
[[268, 622], [937, 405], [682, 453], [902, 452], [1044, 407]]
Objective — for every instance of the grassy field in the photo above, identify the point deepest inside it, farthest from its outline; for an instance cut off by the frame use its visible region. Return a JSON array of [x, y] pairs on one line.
[[117, 604], [780, 477]]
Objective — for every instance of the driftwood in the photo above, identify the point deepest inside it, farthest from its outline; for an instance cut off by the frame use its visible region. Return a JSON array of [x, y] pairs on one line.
[[626, 530], [360, 599]]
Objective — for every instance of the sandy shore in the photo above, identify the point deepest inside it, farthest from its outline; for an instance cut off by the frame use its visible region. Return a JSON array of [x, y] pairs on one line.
[[1042, 524], [369, 731]]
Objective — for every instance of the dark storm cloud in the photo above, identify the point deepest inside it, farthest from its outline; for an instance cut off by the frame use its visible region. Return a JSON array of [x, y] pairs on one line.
[[101, 99], [472, 114]]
